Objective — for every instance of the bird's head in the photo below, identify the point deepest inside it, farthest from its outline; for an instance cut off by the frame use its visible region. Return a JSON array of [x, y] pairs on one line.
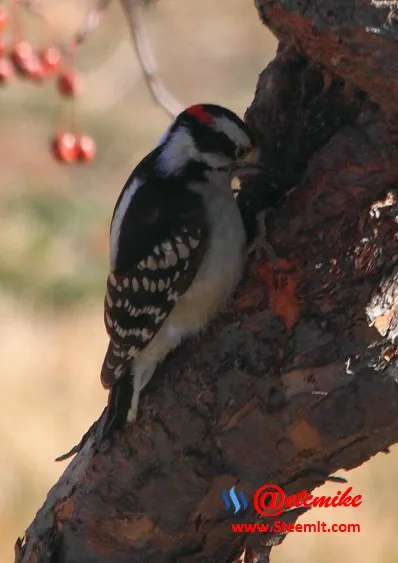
[[205, 135]]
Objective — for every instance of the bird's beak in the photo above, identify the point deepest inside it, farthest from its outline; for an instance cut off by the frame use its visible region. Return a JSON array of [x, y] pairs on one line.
[[248, 166], [253, 157]]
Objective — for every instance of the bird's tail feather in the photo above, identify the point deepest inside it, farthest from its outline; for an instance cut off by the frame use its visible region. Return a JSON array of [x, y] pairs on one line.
[[119, 402]]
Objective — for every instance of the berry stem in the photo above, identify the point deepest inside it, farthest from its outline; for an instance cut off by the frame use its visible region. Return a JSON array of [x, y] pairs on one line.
[[16, 23]]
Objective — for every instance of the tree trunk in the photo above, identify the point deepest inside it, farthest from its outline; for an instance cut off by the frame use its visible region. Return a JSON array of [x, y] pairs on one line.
[[298, 378]]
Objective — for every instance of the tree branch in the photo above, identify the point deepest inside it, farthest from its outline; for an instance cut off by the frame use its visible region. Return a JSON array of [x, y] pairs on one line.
[[346, 37], [298, 378], [159, 92]]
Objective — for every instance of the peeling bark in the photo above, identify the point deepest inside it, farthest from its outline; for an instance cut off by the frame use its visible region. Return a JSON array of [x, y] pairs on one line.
[[355, 40], [298, 378]]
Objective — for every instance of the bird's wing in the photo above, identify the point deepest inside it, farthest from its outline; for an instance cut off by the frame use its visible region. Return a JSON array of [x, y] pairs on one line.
[[160, 247]]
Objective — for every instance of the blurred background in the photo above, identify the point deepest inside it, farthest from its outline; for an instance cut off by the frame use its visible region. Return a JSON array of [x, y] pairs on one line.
[[54, 222]]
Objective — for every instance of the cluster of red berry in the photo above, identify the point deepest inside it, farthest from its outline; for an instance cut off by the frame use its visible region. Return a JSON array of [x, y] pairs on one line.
[[21, 58]]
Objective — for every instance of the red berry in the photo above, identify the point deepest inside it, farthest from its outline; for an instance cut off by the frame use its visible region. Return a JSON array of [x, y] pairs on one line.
[[50, 59], [87, 148], [69, 83], [21, 51], [21, 54], [6, 70], [65, 147], [32, 68], [3, 19]]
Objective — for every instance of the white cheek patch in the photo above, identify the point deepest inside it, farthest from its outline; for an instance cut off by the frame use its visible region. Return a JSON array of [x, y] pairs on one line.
[[232, 130], [119, 215], [179, 149]]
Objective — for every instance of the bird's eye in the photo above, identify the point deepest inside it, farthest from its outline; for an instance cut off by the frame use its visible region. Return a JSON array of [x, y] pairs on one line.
[[241, 152]]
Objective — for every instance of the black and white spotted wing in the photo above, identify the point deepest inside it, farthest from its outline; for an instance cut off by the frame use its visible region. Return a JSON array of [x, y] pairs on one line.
[[157, 262]]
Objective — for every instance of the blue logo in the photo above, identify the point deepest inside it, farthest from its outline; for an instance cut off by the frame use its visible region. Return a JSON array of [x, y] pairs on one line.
[[232, 496]]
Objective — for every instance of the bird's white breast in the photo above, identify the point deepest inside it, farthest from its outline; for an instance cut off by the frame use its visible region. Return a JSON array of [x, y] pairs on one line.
[[222, 264]]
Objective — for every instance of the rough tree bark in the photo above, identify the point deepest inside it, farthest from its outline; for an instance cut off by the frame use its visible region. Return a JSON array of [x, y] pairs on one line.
[[299, 377]]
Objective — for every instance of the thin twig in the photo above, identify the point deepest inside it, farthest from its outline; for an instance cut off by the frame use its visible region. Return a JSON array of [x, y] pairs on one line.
[[34, 7], [147, 62], [92, 21], [141, 43]]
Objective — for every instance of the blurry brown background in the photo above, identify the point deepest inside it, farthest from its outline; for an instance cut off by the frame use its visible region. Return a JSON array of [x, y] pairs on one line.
[[53, 260]]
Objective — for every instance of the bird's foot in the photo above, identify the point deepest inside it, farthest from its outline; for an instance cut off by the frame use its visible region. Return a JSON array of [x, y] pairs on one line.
[[260, 243]]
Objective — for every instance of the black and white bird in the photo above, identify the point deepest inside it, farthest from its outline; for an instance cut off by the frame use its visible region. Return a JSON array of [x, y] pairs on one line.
[[177, 244]]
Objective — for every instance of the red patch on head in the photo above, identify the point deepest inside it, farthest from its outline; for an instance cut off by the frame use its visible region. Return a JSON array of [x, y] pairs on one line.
[[199, 112]]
